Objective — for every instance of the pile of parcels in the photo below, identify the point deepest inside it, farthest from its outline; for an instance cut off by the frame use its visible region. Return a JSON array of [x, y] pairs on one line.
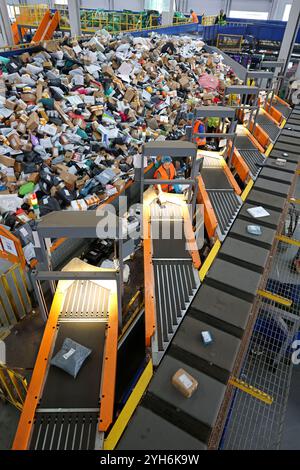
[[74, 115]]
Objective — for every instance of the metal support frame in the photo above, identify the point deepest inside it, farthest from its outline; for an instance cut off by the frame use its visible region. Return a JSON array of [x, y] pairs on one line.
[[221, 112], [178, 149], [259, 76], [74, 15], [274, 65], [73, 224]]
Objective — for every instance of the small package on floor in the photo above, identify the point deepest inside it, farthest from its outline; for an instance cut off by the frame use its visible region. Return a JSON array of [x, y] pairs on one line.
[[184, 383], [70, 357]]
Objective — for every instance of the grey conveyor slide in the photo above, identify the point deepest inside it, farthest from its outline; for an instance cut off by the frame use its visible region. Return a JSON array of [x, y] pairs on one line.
[[225, 202], [251, 155], [268, 126], [176, 279], [68, 411], [223, 305]]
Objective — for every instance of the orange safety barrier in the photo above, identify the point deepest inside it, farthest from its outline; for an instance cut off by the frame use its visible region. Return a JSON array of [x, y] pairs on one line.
[[231, 180], [15, 32], [11, 247], [239, 163], [261, 136], [274, 113], [150, 317], [22, 437], [109, 366], [254, 141], [210, 219], [47, 26]]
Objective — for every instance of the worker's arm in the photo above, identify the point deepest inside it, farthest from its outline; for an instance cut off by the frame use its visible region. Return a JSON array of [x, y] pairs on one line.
[[157, 187]]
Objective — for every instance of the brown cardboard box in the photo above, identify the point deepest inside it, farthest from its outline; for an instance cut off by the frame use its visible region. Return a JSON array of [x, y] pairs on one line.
[[7, 161], [33, 122], [69, 180], [28, 97], [34, 177], [39, 90], [14, 140], [25, 57], [152, 123], [120, 185], [184, 383], [129, 95], [184, 81], [10, 104]]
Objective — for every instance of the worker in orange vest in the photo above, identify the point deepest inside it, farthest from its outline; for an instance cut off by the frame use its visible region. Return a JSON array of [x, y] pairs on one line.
[[194, 17], [199, 128], [166, 171]]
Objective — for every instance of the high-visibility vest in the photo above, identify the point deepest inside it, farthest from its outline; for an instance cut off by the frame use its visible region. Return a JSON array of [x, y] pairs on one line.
[[161, 174], [221, 21], [199, 128], [194, 17]]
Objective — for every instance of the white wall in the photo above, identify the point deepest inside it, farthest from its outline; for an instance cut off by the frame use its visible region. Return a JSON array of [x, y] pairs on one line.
[[209, 7], [279, 7], [253, 5]]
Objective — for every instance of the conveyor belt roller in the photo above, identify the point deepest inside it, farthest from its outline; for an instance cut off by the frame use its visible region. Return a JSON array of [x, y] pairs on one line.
[[226, 204]]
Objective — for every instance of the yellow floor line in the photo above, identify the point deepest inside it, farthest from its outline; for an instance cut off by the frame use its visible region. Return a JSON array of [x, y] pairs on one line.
[[208, 262], [118, 428], [247, 190]]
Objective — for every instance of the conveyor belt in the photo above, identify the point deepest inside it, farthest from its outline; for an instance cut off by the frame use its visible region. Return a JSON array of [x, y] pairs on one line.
[[215, 178], [66, 415], [242, 142], [253, 158], [224, 306], [250, 154], [282, 108], [226, 204], [175, 278], [268, 126]]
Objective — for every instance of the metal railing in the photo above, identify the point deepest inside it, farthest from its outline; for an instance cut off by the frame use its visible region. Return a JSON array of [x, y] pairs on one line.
[[208, 20], [30, 15], [13, 386], [92, 19]]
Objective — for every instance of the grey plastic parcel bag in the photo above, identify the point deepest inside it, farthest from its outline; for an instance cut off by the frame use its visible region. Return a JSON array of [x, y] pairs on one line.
[[71, 357]]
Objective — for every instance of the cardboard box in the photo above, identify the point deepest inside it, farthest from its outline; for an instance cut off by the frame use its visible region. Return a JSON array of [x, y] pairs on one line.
[[129, 95], [7, 161], [33, 122], [184, 383], [14, 140], [120, 185]]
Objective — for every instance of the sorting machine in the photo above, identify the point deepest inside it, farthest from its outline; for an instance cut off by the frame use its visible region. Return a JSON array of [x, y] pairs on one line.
[[65, 413], [225, 304]]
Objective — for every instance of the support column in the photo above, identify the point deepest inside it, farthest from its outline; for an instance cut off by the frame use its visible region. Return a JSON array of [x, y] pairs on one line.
[[5, 25], [290, 34], [227, 7], [167, 16], [74, 16]]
